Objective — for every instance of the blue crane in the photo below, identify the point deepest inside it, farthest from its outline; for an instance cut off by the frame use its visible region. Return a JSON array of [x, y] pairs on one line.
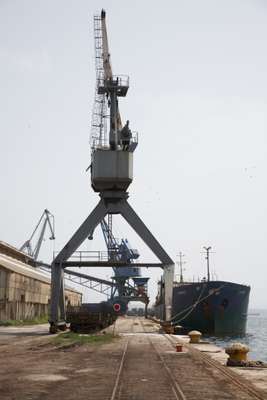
[[121, 250]]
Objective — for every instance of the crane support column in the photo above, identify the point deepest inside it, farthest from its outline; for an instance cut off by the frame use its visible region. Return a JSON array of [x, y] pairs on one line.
[[57, 312]]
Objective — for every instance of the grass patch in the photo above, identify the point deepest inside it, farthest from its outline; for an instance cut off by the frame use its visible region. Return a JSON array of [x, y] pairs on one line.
[[22, 322], [70, 338]]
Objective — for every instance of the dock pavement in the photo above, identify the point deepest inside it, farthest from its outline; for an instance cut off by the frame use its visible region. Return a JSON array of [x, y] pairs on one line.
[[140, 363]]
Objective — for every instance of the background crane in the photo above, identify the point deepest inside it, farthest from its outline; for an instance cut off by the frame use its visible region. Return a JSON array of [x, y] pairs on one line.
[[119, 289], [119, 251], [46, 220]]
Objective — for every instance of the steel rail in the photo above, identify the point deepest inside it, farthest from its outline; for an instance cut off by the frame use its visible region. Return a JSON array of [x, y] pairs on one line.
[[117, 381], [236, 379], [177, 390]]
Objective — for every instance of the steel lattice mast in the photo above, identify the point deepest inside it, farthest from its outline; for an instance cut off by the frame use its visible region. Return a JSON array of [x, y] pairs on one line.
[[99, 115], [99, 136]]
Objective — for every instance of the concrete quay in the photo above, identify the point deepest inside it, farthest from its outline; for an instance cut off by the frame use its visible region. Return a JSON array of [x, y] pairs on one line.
[[138, 364]]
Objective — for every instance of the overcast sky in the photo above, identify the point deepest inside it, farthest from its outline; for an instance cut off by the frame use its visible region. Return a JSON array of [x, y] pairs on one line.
[[198, 98]]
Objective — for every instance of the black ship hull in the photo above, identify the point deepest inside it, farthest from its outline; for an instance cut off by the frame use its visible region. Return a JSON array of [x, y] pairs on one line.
[[214, 307]]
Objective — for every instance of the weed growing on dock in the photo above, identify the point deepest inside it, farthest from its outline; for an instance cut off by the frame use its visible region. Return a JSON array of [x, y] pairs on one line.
[[69, 339]]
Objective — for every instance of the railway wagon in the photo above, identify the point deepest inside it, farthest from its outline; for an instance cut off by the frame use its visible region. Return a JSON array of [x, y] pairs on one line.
[[90, 317]]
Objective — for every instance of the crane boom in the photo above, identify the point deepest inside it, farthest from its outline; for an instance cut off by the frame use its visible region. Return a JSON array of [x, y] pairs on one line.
[[104, 74], [105, 49], [106, 59]]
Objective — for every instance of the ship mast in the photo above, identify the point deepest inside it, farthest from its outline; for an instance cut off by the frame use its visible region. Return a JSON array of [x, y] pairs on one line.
[[180, 264], [208, 261]]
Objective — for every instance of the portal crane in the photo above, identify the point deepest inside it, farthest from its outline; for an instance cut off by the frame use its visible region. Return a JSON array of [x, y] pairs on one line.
[[46, 220], [111, 175]]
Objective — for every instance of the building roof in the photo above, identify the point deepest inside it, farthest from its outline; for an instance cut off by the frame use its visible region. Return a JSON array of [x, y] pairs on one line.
[[14, 265], [9, 250], [19, 267]]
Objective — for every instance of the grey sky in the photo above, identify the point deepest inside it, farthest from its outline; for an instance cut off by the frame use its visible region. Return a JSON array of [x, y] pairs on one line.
[[198, 98]]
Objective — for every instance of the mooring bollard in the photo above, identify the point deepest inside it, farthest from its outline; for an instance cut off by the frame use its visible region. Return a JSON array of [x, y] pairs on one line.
[[179, 348], [237, 352], [194, 336]]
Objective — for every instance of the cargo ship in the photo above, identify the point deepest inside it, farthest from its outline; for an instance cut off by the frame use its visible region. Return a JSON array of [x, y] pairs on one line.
[[210, 306]]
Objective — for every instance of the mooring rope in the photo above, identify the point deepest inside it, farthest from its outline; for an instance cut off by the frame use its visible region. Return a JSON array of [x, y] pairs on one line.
[[193, 306]]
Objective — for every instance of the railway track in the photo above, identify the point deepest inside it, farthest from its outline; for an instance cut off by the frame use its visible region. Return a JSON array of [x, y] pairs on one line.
[[118, 375], [176, 388], [170, 390], [237, 380], [148, 370]]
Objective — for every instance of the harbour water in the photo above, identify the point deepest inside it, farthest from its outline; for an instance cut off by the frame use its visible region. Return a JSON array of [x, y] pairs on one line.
[[255, 338]]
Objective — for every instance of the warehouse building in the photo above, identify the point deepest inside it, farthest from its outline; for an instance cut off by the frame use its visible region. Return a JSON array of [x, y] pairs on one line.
[[25, 290]]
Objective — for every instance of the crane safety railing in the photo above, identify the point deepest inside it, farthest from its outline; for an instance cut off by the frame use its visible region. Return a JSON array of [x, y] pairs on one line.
[[101, 143], [117, 82], [87, 256], [111, 255]]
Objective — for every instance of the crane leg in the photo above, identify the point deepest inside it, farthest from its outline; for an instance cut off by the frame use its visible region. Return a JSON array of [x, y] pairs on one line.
[[168, 265], [57, 280], [57, 311]]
